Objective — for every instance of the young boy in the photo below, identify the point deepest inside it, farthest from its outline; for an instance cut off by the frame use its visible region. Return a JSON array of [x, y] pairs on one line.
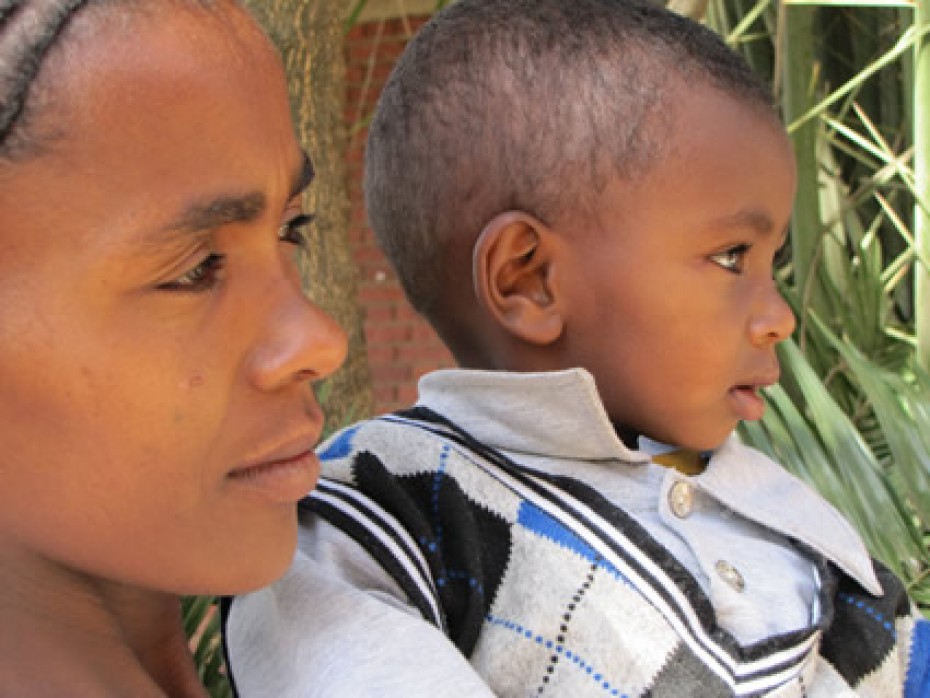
[[585, 199]]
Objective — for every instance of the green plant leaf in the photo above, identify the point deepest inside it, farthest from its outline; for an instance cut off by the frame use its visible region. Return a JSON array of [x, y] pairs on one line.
[[823, 447]]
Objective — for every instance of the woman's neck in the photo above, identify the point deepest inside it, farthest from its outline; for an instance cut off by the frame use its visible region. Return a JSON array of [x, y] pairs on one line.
[[65, 633]]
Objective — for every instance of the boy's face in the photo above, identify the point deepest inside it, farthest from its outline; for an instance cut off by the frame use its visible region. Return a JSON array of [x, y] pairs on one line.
[[673, 305]]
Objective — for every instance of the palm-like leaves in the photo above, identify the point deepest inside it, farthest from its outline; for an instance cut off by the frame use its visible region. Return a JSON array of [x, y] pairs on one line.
[[202, 625], [888, 502]]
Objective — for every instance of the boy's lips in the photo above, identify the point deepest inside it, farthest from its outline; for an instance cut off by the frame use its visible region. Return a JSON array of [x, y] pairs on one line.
[[747, 402], [282, 474]]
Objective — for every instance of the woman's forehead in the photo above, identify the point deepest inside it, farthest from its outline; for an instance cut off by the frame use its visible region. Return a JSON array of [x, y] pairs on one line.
[[47, 48], [129, 81], [171, 113]]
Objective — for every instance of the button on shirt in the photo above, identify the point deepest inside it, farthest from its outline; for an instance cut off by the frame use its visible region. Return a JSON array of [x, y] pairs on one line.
[[681, 499], [757, 580], [733, 526]]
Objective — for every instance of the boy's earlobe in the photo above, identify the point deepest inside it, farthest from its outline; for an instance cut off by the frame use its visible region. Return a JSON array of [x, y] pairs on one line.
[[512, 271]]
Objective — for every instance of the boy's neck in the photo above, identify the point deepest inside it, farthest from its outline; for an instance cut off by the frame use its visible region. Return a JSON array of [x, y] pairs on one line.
[[629, 436]]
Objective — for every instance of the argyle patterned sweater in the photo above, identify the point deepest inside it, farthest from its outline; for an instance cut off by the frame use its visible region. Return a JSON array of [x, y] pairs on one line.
[[548, 589]]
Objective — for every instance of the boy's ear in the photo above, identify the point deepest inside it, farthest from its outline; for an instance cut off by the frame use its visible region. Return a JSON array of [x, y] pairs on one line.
[[512, 271]]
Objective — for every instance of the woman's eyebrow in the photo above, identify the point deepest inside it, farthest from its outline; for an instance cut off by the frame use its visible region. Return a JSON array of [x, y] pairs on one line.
[[223, 210], [217, 212]]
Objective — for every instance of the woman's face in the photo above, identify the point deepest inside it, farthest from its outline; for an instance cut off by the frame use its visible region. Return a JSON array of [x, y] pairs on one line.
[[155, 346]]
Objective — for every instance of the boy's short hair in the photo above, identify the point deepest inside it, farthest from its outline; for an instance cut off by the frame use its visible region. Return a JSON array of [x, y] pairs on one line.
[[527, 105]]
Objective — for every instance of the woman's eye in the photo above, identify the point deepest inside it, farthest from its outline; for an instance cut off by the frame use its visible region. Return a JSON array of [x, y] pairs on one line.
[[294, 231], [203, 277], [732, 259]]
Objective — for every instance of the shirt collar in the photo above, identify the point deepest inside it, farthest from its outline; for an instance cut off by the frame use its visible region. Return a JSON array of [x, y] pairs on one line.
[[751, 484], [559, 414], [556, 414]]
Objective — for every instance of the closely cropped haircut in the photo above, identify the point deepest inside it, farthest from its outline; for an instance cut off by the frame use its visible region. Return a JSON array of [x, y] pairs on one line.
[[29, 31], [528, 105]]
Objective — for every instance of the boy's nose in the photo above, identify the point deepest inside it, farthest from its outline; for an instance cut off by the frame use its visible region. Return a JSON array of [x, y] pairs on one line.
[[773, 321], [299, 342]]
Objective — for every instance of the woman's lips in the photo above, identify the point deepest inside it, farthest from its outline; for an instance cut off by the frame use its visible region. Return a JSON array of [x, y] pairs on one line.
[[285, 476]]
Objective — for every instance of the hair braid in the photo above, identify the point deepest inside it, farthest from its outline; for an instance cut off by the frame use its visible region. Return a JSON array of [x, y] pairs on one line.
[[27, 32], [7, 7]]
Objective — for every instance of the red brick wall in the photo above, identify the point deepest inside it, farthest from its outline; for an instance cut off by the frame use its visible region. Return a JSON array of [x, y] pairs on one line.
[[401, 346]]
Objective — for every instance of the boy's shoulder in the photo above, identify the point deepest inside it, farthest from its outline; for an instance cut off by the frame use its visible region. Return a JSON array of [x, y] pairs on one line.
[[407, 456], [391, 438]]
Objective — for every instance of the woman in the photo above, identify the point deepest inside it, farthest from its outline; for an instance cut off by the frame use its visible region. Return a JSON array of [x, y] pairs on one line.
[[156, 351]]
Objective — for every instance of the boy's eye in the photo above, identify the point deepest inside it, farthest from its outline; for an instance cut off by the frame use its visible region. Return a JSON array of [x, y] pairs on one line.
[[732, 259], [294, 230], [201, 278], [782, 256]]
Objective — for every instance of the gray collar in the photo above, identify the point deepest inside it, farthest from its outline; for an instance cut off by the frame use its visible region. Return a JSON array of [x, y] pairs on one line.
[[559, 415], [556, 414]]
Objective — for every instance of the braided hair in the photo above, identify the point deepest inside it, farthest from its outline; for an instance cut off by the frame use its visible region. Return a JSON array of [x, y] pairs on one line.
[[28, 30]]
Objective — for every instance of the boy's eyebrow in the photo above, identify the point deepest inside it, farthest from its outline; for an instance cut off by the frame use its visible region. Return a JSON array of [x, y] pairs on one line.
[[225, 210], [752, 219]]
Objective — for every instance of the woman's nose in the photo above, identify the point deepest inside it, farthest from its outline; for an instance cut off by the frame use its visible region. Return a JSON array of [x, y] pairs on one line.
[[300, 342]]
